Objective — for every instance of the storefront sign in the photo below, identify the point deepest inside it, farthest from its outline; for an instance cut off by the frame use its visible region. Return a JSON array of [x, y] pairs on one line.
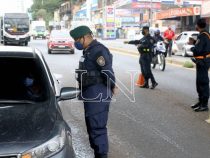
[[205, 8], [136, 5], [178, 2], [177, 12]]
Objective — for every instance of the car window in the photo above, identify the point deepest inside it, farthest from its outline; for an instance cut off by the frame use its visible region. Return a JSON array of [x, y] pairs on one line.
[[60, 34], [195, 36], [179, 37], [184, 37], [23, 79]]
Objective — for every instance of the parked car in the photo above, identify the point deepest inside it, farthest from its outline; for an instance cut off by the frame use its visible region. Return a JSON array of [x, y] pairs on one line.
[[180, 44], [31, 122], [60, 41]]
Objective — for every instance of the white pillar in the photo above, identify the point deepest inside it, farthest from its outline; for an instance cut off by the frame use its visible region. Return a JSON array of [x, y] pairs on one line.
[[88, 11]]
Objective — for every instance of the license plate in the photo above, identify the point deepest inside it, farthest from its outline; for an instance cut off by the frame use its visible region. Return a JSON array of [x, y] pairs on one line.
[[61, 46], [17, 38]]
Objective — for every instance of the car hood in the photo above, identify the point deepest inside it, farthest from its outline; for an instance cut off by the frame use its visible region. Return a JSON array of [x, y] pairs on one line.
[[24, 126], [61, 39]]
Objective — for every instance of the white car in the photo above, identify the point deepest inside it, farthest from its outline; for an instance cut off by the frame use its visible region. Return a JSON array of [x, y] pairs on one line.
[[181, 46]]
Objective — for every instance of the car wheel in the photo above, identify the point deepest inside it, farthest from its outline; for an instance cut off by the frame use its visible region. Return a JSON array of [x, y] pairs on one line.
[[5, 43], [184, 53], [49, 51], [72, 51], [26, 43]]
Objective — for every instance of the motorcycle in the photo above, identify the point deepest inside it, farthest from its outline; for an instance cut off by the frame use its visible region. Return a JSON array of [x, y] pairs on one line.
[[159, 56]]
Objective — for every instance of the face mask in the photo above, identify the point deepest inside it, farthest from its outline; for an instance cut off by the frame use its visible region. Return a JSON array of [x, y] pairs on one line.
[[28, 82], [78, 45]]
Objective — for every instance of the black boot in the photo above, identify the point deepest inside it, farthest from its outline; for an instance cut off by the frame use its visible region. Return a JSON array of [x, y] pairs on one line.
[[198, 104], [194, 106], [146, 85], [101, 156], [203, 106], [155, 84]]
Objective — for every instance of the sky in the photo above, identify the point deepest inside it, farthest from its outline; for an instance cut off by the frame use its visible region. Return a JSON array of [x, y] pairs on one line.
[[14, 5]]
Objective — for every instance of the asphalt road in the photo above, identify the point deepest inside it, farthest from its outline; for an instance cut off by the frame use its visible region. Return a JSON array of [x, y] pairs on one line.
[[157, 124]]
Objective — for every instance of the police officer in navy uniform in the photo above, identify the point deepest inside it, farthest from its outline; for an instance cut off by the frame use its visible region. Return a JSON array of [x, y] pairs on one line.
[[201, 52], [145, 48], [97, 83]]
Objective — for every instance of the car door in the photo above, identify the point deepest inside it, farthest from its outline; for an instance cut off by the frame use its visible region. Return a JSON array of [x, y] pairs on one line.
[[182, 42], [177, 42]]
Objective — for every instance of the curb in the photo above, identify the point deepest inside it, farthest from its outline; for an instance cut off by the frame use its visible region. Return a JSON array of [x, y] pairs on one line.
[[168, 60]]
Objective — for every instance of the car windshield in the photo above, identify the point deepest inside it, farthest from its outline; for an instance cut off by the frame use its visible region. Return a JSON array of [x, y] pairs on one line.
[[60, 34], [40, 28], [195, 35], [16, 25], [22, 81]]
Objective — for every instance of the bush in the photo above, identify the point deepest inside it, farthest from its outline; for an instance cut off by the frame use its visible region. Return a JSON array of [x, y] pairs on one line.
[[188, 64]]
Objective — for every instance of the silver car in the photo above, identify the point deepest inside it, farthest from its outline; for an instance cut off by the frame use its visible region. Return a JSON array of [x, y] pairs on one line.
[[31, 122], [181, 46]]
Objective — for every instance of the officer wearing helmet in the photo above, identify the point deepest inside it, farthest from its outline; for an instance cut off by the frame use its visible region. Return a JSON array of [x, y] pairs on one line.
[[145, 48], [97, 83]]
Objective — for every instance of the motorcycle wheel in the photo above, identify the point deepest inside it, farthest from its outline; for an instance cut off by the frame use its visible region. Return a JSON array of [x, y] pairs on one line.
[[162, 63], [153, 64]]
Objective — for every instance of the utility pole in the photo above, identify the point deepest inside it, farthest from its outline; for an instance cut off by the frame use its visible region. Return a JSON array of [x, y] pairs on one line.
[[150, 13]]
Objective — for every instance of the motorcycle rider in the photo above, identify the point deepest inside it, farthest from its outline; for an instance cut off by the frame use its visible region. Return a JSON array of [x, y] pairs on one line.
[[158, 36]]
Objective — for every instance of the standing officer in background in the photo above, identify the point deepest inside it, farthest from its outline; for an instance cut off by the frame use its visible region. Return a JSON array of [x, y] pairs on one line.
[[201, 52], [97, 83], [145, 48]]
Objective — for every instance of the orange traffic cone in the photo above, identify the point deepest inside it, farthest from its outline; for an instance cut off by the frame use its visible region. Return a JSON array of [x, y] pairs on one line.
[[140, 80]]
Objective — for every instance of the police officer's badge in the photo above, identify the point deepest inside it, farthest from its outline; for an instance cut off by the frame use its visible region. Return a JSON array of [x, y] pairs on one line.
[[101, 61]]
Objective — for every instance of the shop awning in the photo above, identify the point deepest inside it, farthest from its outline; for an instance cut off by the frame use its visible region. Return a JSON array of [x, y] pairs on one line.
[[177, 12]]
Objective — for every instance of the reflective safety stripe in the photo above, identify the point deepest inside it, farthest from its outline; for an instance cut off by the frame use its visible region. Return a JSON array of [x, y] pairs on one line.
[[202, 57], [206, 34]]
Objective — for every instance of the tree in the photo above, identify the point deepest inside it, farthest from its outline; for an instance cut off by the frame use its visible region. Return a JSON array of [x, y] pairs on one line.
[[41, 14], [45, 8]]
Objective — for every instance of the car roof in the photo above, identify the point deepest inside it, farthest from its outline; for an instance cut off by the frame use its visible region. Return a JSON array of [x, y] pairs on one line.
[[17, 52], [191, 32]]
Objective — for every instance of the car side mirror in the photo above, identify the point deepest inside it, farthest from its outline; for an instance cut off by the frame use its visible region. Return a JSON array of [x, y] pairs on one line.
[[68, 93]]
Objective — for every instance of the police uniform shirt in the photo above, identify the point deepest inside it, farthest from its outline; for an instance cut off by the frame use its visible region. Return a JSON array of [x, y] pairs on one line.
[[202, 45]]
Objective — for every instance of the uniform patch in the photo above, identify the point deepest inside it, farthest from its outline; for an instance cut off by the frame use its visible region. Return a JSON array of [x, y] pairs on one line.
[[151, 41], [198, 41], [101, 61]]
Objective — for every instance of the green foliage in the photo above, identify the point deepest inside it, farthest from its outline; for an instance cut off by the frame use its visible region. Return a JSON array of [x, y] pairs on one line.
[[188, 64], [45, 9]]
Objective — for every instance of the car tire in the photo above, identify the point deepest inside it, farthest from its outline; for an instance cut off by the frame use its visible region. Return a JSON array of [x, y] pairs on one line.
[[184, 53], [5, 43], [72, 52], [26, 43], [49, 51]]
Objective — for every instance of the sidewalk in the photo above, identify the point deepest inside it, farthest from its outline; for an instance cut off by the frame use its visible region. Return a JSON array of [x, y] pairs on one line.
[[119, 46]]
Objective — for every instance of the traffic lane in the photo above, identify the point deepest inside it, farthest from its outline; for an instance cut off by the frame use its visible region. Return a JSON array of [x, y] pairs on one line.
[[160, 118]]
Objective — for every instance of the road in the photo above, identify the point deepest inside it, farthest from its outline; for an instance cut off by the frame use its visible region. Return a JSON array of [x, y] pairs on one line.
[[158, 124]]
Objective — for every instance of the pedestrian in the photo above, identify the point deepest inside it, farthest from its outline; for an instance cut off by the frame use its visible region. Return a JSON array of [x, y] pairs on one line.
[[169, 35], [145, 48], [97, 83], [201, 53]]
